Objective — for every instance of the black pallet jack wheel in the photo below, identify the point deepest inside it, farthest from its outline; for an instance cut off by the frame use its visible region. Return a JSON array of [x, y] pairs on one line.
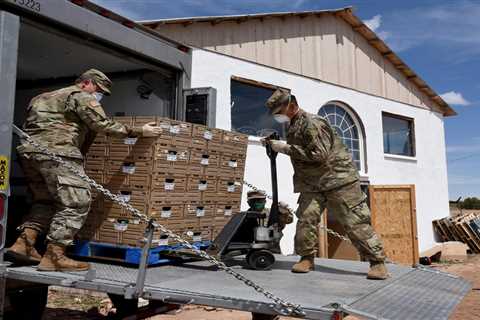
[[260, 259]]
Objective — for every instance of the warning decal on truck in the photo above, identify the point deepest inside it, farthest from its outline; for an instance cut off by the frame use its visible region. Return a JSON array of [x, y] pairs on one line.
[[3, 172]]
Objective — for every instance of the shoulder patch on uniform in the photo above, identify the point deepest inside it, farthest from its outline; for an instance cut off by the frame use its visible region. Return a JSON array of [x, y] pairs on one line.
[[94, 103]]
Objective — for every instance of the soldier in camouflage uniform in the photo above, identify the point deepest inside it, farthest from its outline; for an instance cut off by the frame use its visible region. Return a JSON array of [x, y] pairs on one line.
[[257, 200], [65, 121], [325, 177]]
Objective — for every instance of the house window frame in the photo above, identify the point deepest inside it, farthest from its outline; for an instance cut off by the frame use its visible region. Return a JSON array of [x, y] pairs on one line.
[[362, 143], [258, 84], [412, 130]]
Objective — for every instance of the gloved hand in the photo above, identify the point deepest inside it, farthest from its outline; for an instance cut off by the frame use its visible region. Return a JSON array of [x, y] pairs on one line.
[[279, 146], [151, 130], [285, 215]]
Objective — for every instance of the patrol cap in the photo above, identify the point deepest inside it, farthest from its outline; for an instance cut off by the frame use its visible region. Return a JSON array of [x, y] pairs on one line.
[[277, 100], [101, 80], [256, 194]]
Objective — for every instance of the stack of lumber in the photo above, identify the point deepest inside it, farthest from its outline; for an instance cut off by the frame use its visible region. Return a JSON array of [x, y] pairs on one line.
[[464, 228]]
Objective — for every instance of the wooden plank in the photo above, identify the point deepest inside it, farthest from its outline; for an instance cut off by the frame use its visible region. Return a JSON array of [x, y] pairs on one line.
[[416, 254], [322, 237], [439, 230]]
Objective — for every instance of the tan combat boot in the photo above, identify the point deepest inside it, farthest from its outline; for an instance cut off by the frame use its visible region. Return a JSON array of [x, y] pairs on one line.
[[23, 250], [54, 259], [306, 264], [378, 271]]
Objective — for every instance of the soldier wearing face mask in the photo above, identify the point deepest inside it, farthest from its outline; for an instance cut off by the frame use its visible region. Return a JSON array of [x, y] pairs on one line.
[[325, 177], [66, 121], [257, 200]]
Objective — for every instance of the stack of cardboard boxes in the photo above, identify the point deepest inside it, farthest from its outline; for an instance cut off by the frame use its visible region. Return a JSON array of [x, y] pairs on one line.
[[189, 179]]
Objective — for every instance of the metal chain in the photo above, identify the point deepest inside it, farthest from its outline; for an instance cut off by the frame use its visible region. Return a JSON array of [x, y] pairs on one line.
[[321, 226], [282, 306]]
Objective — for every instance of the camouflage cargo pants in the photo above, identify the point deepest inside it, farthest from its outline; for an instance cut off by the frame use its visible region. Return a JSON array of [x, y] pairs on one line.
[[349, 207], [61, 200]]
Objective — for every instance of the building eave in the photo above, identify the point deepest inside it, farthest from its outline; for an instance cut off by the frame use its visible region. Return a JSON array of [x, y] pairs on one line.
[[348, 16]]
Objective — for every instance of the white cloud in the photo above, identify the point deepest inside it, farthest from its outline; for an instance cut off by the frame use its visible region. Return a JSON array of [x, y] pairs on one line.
[[448, 24], [374, 23], [455, 98]]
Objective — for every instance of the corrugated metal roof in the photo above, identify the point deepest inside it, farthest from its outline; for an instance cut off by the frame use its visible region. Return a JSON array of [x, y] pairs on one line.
[[347, 15]]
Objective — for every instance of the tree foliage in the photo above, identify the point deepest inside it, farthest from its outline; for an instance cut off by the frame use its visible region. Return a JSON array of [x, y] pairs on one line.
[[470, 203]]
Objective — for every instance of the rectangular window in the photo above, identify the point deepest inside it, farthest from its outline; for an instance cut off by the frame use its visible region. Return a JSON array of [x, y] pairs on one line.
[[398, 135], [248, 112]]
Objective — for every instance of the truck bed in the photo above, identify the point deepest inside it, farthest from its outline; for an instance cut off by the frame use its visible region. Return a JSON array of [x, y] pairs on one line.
[[410, 293]]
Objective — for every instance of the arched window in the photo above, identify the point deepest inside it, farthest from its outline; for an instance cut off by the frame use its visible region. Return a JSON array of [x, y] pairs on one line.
[[348, 127]]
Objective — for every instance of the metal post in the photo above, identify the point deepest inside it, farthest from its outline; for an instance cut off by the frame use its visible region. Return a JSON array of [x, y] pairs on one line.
[[142, 269], [9, 31]]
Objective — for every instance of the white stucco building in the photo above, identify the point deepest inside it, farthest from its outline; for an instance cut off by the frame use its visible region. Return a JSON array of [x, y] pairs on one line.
[[391, 120]]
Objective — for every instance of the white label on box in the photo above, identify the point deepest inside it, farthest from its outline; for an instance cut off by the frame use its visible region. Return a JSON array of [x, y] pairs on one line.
[[228, 212], [184, 155], [120, 226], [128, 169], [130, 141], [124, 197], [165, 125], [197, 238], [169, 185], [200, 212], [172, 156], [202, 186], [204, 161], [166, 213], [174, 129], [231, 188], [162, 242], [233, 163], [208, 135]]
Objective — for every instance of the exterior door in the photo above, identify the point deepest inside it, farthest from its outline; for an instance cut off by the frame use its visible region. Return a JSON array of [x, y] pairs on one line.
[[394, 219]]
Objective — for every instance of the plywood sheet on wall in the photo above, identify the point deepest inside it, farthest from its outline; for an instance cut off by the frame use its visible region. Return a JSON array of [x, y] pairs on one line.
[[394, 219]]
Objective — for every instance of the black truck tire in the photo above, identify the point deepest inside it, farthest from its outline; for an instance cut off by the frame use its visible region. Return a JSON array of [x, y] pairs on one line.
[[27, 304], [124, 307]]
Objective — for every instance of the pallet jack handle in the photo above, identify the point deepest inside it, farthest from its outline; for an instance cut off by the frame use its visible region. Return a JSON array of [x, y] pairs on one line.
[[273, 216]]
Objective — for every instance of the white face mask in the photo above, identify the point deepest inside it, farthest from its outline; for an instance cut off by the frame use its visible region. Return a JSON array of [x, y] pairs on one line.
[[98, 96], [281, 118]]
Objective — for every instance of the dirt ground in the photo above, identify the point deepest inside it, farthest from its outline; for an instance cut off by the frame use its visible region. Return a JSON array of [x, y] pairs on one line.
[[74, 306]]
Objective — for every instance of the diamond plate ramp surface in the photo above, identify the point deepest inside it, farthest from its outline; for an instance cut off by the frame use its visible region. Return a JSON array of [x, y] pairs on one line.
[[333, 281], [408, 294], [419, 294]]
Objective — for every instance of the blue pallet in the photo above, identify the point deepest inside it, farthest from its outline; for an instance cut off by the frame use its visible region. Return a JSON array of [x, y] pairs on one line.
[[127, 254]]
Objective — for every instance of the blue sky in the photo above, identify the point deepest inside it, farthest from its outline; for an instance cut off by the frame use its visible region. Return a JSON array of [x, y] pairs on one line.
[[439, 39]]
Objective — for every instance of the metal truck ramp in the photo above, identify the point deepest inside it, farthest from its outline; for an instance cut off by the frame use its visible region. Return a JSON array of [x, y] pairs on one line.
[[334, 286]]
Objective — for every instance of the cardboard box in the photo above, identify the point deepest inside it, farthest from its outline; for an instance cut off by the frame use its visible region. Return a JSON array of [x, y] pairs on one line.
[[234, 142], [167, 182], [195, 210], [202, 183], [189, 179], [175, 128], [206, 133]]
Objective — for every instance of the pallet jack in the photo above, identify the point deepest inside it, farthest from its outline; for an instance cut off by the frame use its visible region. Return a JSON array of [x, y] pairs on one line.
[[250, 233]]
